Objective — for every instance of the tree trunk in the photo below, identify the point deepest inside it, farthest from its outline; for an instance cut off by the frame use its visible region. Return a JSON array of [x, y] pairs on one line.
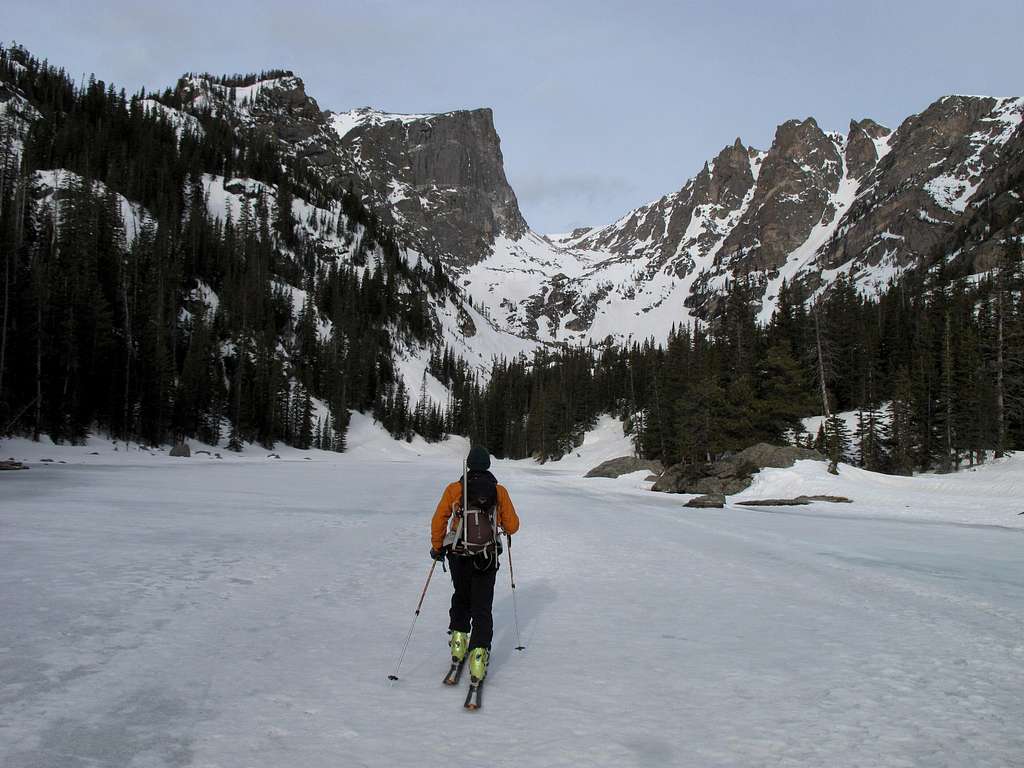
[[947, 376], [833, 447], [1000, 394]]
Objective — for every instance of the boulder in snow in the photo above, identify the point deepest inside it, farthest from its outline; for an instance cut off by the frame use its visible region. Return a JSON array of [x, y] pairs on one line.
[[623, 466], [708, 501], [181, 450], [733, 474], [799, 501]]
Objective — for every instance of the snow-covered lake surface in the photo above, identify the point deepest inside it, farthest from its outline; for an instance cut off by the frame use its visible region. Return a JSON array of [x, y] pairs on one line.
[[247, 612]]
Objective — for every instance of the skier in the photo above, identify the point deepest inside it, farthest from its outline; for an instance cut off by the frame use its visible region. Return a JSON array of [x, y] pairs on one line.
[[465, 529]]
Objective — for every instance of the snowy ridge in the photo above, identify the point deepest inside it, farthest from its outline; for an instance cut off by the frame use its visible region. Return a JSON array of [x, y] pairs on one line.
[[208, 95], [343, 122]]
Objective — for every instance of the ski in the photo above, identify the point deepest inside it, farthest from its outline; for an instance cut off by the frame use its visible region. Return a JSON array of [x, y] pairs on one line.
[[474, 696], [452, 678]]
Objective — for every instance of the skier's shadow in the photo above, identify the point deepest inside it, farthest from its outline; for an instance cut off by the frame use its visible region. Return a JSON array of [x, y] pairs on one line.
[[532, 599]]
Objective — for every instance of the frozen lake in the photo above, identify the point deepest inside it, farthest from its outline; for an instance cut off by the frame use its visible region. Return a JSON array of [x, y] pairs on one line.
[[247, 614]]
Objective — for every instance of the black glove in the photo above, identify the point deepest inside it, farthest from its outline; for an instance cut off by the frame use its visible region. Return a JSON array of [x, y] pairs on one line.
[[436, 554]]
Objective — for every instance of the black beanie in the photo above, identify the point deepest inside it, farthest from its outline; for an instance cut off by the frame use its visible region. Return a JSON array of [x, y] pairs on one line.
[[478, 459]]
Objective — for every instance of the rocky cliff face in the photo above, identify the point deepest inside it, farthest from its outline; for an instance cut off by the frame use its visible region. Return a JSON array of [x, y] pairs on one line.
[[909, 205], [870, 203], [438, 179]]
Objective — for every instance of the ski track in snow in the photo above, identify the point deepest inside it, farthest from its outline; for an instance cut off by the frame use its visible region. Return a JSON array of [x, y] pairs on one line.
[[248, 612]]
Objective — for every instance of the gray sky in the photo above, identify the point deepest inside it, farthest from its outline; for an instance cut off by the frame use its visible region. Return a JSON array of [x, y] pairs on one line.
[[601, 105]]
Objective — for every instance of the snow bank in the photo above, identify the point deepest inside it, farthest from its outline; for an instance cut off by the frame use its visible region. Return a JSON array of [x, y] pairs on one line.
[[986, 495], [605, 441], [367, 439]]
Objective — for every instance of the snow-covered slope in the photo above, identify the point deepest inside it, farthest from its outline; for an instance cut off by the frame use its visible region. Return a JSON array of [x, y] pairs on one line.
[[980, 496]]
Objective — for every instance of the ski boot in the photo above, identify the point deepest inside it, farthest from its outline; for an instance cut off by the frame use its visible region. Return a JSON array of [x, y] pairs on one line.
[[478, 659], [478, 663], [458, 642]]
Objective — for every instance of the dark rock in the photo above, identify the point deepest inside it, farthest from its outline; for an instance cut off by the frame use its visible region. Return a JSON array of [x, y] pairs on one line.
[[455, 198], [798, 175], [861, 152], [181, 450], [773, 503], [708, 501], [799, 501], [733, 474], [763, 455], [623, 466], [726, 486], [11, 465]]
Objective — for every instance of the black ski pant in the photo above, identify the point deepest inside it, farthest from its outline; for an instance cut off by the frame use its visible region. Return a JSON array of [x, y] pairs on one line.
[[473, 578]]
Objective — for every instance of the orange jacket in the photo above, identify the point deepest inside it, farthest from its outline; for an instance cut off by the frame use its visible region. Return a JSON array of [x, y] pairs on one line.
[[451, 500]]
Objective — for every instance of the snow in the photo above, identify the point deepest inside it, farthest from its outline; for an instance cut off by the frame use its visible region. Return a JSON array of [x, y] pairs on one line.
[[212, 94], [804, 255], [171, 612], [367, 439], [605, 441], [182, 121], [849, 418], [950, 192], [985, 495], [133, 215], [411, 364], [953, 190], [343, 122]]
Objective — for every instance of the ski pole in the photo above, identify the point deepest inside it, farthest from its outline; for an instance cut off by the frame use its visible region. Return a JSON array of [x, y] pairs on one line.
[[515, 608], [413, 625]]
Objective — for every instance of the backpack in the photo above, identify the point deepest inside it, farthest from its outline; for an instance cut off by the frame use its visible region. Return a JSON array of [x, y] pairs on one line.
[[479, 527]]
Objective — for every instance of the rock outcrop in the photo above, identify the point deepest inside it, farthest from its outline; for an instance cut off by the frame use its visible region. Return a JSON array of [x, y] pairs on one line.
[[799, 501], [624, 465], [437, 179], [710, 501], [733, 474]]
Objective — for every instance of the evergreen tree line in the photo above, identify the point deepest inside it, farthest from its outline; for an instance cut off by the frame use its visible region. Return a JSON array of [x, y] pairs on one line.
[[932, 367], [195, 325]]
